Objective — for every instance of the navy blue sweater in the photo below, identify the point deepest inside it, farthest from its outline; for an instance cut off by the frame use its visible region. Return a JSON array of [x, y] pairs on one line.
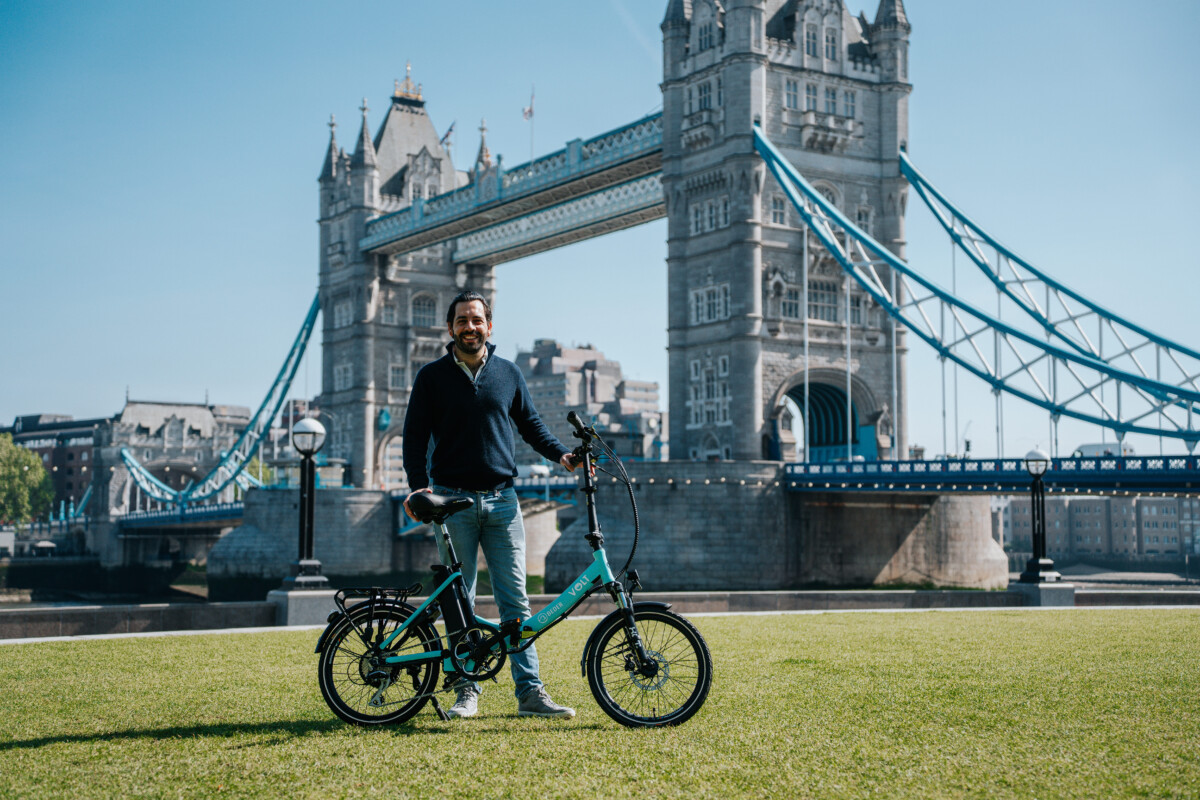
[[469, 425]]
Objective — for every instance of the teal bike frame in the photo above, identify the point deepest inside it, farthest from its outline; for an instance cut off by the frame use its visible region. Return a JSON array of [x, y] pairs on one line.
[[598, 575]]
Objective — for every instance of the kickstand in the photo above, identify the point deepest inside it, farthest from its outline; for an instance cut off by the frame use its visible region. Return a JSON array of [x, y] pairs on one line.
[[438, 708]]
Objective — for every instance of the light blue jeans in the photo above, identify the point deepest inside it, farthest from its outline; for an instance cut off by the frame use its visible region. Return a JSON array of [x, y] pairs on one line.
[[494, 524]]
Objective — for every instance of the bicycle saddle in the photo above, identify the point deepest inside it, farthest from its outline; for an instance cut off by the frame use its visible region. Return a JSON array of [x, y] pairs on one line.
[[436, 507]]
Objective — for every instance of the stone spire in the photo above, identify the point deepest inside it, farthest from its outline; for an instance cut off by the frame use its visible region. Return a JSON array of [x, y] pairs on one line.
[[891, 14], [678, 11], [364, 154], [484, 159], [329, 168]]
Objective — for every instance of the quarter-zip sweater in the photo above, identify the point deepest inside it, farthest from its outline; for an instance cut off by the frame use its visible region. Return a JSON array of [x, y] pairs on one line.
[[470, 424]]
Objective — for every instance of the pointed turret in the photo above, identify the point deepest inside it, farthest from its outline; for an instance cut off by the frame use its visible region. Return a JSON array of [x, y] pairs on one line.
[[678, 11], [483, 160], [329, 168], [364, 154], [891, 14]]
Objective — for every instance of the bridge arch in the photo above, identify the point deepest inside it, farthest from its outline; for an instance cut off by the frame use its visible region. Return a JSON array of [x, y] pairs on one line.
[[389, 463], [869, 431]]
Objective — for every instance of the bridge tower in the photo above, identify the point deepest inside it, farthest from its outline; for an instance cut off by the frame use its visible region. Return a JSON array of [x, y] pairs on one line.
[[831, 91], [383, 315]]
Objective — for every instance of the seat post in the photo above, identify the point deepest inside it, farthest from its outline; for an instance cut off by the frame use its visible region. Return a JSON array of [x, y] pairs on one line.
[[441, 526]]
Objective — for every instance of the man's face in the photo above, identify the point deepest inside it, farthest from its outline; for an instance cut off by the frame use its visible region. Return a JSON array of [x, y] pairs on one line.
[[470, 329]]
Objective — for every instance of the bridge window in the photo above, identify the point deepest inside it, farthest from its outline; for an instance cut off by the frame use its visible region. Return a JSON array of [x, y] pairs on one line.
[[723, 365], [778, 211], [431, 190], [862, 218], [822, 301], [388, 314], [706, 36], [343, 376], [849, 101], [695, 365], [720, 91], [792, 94], [856, 315], [712, 214], [705, 96], [424, 311], [831, 101], [710, 304], [724, 211], [791, 304], [810, 41], [689, 100], [396, 374], [831, 44], [416, 191], [343, 313], [697, 220], [810, 97]]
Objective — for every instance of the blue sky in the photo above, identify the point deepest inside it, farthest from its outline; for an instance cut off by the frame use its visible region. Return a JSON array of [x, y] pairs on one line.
[[159, 168]]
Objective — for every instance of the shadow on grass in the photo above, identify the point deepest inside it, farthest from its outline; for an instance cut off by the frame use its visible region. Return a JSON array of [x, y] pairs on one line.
[[294, 728]]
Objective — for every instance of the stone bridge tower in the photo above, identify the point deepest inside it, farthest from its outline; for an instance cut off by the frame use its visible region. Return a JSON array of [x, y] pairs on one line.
[[831, 91], [383, 315]]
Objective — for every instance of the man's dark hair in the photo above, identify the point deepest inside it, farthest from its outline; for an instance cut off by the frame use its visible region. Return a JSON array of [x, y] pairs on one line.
[[466, 296]]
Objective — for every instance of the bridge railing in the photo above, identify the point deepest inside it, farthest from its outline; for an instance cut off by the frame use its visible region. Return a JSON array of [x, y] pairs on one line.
[[578, 158], [182, 514], [1141, 473]]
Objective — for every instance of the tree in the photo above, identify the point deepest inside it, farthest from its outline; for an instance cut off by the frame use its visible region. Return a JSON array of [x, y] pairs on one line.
[[26, 490]]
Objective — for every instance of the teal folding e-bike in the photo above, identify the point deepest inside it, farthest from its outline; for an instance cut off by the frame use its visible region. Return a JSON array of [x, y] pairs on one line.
[[380, 657]]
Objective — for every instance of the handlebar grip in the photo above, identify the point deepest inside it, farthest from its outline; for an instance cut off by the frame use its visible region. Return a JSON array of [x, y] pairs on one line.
[[574, 419]]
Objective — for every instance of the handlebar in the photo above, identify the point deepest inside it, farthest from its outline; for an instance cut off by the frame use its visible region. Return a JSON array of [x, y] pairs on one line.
[[581, 430]]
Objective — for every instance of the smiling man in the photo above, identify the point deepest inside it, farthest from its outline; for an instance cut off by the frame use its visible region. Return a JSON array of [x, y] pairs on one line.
[[468, 402]]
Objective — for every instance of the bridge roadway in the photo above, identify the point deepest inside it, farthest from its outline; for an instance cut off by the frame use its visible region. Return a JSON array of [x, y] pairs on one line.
[[1104, 475], [589, 188]]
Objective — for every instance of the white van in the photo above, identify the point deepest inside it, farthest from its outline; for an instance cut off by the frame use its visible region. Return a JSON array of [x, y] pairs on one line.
[[1106, 449]]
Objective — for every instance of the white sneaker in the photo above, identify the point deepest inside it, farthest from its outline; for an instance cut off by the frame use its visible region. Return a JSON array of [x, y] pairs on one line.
[[466, 704]]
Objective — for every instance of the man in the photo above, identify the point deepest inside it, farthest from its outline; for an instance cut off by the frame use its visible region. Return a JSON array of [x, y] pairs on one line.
[[465, 401]]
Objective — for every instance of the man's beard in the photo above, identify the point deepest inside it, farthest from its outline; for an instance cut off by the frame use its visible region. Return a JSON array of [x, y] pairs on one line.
[[470, 348]]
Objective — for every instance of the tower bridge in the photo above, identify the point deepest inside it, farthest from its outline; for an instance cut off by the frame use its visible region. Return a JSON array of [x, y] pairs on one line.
[[402, 231], [778, 161]]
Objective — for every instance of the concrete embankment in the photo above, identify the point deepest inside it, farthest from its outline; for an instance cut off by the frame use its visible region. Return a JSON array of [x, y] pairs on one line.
[[23, 623]]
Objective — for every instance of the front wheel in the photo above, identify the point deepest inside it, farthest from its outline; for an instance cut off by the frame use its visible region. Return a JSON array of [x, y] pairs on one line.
[[666, 690], [356, 682]]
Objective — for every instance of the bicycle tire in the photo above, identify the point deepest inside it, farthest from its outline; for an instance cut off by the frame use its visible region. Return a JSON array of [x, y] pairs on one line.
[[351, 686], [670, 697]]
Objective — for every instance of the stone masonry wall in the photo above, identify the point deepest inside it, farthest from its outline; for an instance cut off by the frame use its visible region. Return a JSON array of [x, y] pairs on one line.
[[704, 526]]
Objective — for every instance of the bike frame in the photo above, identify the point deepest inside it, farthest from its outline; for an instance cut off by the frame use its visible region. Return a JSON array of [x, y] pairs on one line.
[[598, 575]]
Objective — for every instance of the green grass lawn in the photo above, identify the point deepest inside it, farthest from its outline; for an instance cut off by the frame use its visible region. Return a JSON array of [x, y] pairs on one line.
[[945, 704]]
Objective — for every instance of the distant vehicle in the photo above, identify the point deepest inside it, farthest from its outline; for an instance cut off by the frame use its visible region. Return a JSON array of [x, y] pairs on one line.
[[533, 471], [1105, 449]]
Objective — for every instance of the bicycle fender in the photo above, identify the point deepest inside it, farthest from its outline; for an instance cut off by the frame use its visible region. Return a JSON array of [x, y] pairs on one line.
[[336, 615], [594, 640]]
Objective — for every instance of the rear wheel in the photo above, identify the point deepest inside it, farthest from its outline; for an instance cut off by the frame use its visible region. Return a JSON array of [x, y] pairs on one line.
[[355, 681], [666, 690]]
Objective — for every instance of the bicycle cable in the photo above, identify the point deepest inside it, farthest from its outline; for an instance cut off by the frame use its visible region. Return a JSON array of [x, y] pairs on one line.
[[624, 478]]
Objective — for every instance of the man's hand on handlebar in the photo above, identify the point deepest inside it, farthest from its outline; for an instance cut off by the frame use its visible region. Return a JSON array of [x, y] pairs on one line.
[[408, 510], [570, 461]]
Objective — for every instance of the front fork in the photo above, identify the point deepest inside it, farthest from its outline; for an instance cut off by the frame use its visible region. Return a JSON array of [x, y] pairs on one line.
[[640, 660]]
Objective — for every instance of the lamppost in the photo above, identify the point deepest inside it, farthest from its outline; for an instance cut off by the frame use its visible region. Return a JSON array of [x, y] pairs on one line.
[[308, 436], [1039, 569]]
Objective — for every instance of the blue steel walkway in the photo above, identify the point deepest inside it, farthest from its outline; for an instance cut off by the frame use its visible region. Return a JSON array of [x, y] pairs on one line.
[[1107, 474]]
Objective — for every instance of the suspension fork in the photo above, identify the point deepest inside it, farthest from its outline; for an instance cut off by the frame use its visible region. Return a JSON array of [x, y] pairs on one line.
[[624, 600]]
